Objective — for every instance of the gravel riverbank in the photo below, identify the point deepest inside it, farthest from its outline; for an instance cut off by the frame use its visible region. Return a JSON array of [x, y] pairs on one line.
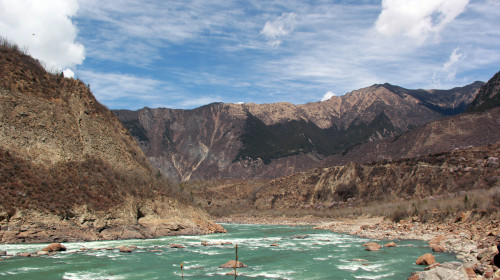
[[474, 241]]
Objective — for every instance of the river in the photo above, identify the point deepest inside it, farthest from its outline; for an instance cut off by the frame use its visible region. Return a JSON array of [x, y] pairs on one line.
[[302, 253]]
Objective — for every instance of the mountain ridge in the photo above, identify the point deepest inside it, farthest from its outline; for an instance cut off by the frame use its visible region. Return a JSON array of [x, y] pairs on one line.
[[222, 140]]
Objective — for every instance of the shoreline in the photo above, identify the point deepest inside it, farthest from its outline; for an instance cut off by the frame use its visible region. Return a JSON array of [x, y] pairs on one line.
[[473, 241]]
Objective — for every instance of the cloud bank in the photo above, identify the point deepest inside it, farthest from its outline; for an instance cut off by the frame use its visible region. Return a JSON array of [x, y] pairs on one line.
[[45, 28], [417, 19]]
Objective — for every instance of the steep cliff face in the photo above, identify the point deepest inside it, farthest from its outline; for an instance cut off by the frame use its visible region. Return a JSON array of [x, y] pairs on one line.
[[70, 170], [271, 140]]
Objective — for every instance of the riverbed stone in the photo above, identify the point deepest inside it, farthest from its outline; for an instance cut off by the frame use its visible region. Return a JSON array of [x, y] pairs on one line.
[[437, 248], [177, 246], [54, 247], [125, 249], [390, 244], [426, 259], [232, 264], [450, 270]]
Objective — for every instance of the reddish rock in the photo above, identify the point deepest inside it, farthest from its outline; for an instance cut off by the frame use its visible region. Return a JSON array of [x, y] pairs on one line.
[[470, 272], [232, 264], [438, 239], [125, 249], [434, 265], [413, 277], [177, 246], [205, 243], [426, 259], [372, 246], [54, 247], [274, 245], [24, 254], [390, 244], [437, 248]]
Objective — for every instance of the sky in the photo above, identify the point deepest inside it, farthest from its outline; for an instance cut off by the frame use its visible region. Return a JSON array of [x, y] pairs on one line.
[[188, 53]]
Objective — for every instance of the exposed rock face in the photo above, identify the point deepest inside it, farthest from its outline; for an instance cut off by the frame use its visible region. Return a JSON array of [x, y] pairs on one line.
[[488, 97], [354, 184], [70, 171], [273, 140]]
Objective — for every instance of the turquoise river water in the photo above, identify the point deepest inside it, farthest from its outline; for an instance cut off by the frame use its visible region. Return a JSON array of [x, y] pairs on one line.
[[316, 254]]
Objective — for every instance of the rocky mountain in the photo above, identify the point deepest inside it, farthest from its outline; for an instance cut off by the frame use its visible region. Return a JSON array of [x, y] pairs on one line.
[[272, 140], [488, 96], [70, 171], [443, 157]]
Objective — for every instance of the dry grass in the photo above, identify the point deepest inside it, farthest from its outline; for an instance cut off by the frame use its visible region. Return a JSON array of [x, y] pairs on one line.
[[483, 203]]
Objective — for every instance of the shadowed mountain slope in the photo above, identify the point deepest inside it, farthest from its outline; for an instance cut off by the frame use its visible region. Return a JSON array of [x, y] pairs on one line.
[[272, 140]]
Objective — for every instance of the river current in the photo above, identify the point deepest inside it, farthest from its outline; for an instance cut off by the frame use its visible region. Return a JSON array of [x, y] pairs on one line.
[[302, 253]]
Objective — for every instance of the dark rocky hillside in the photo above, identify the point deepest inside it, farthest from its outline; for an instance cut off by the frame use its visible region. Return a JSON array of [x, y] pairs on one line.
[[488, 97], [272, 140], [69, 170]]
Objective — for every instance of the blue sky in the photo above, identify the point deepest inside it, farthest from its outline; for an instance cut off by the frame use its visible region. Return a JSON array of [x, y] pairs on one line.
[[184, 54]]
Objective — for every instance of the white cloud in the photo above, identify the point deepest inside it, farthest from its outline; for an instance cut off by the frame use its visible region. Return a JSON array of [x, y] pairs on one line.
[[327, 96], [45, 29], [68, 73], [454, 58], [278, 28], [417, 19]]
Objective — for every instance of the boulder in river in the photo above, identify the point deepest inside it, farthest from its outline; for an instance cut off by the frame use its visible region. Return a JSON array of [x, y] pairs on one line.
[[372, 246], [54, 247], [177, 246], [437, 248], [24, 254], [232, 264], [426, 259], [125, 249], [390, 244]]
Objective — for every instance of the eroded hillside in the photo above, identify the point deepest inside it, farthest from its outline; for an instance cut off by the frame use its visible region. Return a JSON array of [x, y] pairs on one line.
[[70, 170]]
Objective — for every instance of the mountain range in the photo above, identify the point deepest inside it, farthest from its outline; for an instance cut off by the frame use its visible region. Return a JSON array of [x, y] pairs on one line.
[[272, 140]]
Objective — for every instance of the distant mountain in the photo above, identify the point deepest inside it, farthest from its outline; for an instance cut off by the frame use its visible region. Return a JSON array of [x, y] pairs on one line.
[[70, 171], [440, 158], [488, 97], [272, 140]]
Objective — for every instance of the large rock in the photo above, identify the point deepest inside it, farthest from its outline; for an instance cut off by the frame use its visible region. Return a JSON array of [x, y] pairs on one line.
[[445, 271], [487, 254], [437, 248], [372, 246], [125, 249], [54, 247], [426, 259], [232, 264]]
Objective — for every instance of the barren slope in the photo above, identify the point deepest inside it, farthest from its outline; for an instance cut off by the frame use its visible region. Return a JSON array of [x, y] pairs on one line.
[[70, 170]]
